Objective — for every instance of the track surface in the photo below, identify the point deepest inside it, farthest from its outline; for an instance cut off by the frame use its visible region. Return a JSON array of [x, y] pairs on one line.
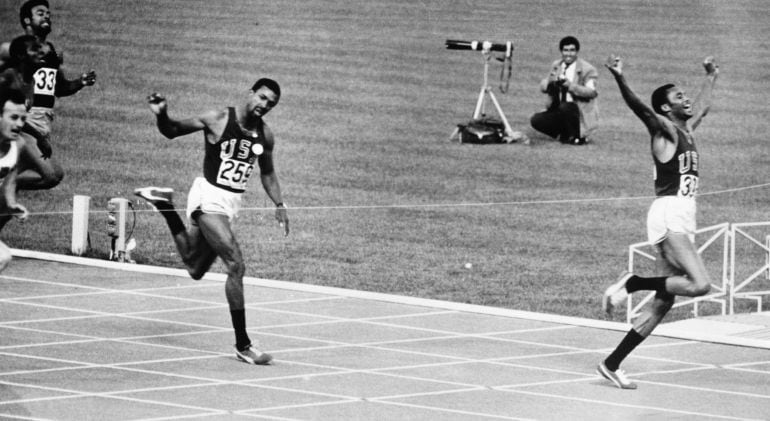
[[84, 343]]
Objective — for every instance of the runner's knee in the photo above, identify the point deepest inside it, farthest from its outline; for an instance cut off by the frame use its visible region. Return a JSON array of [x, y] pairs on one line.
[[196, 273], [193, 264], [50, 175], [664, 300], [701, 289], [235, 267], [52, 179]]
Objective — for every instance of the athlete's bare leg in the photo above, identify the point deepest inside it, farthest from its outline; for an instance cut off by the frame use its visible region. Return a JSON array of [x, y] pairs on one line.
[[215, 229], [196, 253], [36, 173], [677, 257], [681, 273], [680, 252], [219, 237]]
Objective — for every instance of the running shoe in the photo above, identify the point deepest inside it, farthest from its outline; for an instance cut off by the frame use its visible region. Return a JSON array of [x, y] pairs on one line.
[[618, 377], [616, 293], [252, 355], [155, 195]]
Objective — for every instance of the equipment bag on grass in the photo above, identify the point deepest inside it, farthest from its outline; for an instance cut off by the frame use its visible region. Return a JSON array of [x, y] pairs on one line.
[[482, 131]]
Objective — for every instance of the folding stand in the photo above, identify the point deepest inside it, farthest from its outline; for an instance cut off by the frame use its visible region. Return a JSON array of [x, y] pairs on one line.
[[486, 90]]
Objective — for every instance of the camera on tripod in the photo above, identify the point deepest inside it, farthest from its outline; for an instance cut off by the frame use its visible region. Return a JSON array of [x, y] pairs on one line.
[[483, 46], [482, 129]]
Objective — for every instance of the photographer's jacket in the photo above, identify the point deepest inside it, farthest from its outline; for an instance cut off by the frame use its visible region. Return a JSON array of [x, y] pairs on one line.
[[584, 97]]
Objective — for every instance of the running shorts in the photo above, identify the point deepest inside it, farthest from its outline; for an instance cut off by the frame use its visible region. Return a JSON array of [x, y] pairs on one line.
[[40, 119], [211, 199], [670, 214]]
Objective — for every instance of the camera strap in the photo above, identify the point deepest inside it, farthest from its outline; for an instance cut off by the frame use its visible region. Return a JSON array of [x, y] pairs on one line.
[[505, 74]]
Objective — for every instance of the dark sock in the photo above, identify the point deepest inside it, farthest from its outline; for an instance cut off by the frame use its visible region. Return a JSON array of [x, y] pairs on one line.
[[173, 219], [637, 283], [239, 325], [632, 339]]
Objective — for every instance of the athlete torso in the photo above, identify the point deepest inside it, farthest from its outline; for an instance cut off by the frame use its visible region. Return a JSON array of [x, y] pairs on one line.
[[45, 78], [230, 161], [678, 176], [9, 160]]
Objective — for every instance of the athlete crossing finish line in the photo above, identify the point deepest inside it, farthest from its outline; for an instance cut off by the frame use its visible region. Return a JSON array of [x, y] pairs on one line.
[[13, 113], [671, 219], [236, 139]]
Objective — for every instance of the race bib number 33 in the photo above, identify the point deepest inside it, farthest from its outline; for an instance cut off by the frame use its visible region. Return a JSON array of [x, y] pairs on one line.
[[45, 81]]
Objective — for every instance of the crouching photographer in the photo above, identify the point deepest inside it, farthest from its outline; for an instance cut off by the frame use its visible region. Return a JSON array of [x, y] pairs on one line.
[[571, 113]]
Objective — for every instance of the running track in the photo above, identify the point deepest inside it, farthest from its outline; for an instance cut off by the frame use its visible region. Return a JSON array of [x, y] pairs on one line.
[[128, 342]]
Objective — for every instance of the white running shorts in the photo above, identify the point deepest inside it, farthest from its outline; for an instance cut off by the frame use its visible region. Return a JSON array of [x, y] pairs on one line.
[[670, 213], [212, 199], [40, 119]]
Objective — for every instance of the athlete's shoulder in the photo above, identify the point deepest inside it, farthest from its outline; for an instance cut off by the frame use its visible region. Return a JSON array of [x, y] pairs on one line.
[[215, 115], [10, 76], [269, 138], [5, 51], [667, 131], [51, 57], [7, 73]]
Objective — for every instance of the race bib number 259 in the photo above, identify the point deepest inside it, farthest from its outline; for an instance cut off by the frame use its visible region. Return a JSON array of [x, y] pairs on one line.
[[234, 173]]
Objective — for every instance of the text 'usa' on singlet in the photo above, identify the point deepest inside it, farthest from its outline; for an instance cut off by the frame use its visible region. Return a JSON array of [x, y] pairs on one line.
[[228, 164], [678, 176]]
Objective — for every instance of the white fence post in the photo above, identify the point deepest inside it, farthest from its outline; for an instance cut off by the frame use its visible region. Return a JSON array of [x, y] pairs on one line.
[[80, 211]]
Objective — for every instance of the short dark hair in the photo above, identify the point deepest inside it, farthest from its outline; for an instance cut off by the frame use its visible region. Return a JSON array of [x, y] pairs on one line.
[[15, 95], [660, 98], [269, 84], [26, 9], [18, 48], [569, 40]]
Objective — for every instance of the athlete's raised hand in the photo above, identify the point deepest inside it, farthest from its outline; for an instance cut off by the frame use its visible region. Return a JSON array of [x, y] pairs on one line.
[[710, 65], [157, 103], [88, 78], [614, 64], [19, 211]]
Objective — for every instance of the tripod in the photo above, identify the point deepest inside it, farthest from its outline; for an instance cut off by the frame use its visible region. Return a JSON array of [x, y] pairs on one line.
[[486, 91]]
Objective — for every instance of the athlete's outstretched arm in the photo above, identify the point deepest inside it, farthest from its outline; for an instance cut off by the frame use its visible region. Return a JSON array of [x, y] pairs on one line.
[[9, 195], [270, 180], [273, 190], [67, 87], [168, 126], [642, 110], [702, 102]]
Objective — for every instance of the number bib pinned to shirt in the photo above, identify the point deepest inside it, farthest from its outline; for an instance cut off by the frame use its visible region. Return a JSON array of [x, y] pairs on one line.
[[45, 87], [237, 158]]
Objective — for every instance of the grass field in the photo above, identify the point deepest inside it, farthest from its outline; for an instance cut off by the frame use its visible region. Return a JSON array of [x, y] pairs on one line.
[[382, 201]]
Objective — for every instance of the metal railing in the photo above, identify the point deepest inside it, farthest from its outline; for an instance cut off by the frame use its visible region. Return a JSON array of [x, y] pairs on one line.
[[746, 288], [720, 292]]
